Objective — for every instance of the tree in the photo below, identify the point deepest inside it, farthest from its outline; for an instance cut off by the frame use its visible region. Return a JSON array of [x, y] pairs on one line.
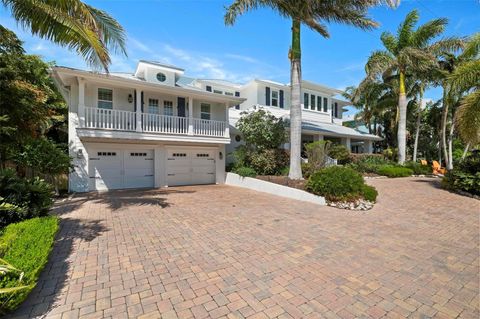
[[313, 14], [408, 52], [261, 130], [73, 24]]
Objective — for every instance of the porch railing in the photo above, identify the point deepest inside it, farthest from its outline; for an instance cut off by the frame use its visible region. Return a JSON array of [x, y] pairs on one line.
[[152, 123]]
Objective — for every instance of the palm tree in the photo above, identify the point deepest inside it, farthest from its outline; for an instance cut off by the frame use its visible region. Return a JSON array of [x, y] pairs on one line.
[[466, 80], [409, 52], [313, 14], [73, 24]]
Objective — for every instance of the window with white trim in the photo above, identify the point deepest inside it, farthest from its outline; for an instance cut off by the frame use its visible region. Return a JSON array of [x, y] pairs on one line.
[[274, 99], [153, 106], [305, 100], [168, 108], [105, 99], [319, 103], [312, 102], [217, 91], [205, 111]]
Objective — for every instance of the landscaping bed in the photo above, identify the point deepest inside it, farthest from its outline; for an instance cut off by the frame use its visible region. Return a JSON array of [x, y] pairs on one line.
[[283, 180]]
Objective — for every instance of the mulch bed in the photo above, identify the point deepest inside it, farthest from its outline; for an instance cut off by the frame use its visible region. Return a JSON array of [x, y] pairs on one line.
[[284, 180]]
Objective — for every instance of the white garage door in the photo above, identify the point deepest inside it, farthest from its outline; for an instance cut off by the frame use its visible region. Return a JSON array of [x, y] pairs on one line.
[[190, 166], [117, 169]]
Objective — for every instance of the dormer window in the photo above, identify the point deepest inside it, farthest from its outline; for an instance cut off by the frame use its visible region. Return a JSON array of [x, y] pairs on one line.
[[274, 98], [161, 77]]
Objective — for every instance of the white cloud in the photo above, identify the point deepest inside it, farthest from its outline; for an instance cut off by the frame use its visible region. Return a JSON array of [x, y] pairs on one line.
[[241, 58]]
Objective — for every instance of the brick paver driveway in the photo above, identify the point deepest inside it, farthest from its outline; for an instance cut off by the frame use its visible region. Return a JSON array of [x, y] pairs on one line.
[[218, 251]]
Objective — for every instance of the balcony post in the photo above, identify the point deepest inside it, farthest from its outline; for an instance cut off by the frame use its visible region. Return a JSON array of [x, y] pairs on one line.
[[227, 125], [138, 111], [81, 101], [190, 115]]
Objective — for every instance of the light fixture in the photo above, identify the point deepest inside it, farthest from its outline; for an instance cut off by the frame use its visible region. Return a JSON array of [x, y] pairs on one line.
[[80, 154], [130, 98], [220, 155]]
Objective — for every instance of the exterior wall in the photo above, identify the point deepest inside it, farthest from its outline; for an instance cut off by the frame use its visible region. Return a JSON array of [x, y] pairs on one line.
[[249, 92], [151, 76], [120, 96]]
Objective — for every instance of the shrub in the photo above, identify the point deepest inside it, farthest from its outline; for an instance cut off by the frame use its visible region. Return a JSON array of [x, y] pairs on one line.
[[23, 198], [368, 163], [340, 153], [336, 183], [391, 154], [369, 193], [419, 169], [246, 172], [262, 130], [26, 246], [465, 176], [394, 171], [268, 162], [316, 153]]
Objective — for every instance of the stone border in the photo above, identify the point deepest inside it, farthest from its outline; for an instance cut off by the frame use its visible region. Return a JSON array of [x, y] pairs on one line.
[[272, 188]]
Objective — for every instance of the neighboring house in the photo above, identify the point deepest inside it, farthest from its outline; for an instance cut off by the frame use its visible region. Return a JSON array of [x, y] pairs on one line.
[[153, 128], [322, 112]]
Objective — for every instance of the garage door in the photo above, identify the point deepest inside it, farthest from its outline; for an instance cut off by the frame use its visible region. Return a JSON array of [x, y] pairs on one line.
[[190, 166], [117, 169]]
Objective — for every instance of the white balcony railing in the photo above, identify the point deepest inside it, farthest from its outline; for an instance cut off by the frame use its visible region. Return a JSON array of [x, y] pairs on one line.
[[109, 119], [152, 123], [208, 127]]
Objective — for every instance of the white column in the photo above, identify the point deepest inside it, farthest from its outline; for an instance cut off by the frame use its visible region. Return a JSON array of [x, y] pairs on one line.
[[317, 138], [190, 115], [347, 143], [227, 125], [369, 146], [139, 111], [81, 101]]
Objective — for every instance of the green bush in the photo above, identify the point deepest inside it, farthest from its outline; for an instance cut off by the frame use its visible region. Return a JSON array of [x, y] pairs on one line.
[[419, 169], [369, 193], [336, 183], [316, 153], [26, 246], [465, 176], [245, 171], [29, 197], [340, 153], [394, 171], [368, 163], [268, 162]]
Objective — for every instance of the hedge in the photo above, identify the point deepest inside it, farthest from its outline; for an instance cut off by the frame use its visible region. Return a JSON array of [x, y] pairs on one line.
[[26, 246], [394, 171]]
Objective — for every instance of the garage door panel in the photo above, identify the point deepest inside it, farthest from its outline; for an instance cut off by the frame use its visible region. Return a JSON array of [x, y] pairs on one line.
[[118, 169], [190, 166]]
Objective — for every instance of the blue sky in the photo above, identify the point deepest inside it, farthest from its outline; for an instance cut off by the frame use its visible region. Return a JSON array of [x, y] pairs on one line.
[[192, 35]]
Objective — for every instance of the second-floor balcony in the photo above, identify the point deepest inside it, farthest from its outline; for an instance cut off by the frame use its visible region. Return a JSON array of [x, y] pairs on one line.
[[111, 119]]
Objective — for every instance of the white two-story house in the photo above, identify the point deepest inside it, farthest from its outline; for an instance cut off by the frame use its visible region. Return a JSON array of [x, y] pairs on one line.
[[322, 111], [152, 128]]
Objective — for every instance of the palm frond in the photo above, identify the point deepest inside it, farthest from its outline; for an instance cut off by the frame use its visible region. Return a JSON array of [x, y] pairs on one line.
[[465, 76], [472, 47], [467, 118], [390, 42], [405, 30], [378, 62], [426, 32], [237, 8], [447, 46]]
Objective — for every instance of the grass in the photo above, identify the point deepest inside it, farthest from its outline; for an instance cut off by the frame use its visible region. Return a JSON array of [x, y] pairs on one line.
[[26, 246]]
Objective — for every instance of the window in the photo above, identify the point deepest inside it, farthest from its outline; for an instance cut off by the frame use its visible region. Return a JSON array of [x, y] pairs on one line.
[[106, 154], [203, 155], [274, 98], [168, 108], [153, 106], [205, 111], [138, 154], [325, 104], [179, 154], [312, 102], [238, 138], [217, 91], [105, 99], [319, 103], [161, 77], [229, 93], [305, 100], [208, 88], [336, 110]]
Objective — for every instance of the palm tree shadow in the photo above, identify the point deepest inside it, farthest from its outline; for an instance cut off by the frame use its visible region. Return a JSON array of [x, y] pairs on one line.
[[434, 182]]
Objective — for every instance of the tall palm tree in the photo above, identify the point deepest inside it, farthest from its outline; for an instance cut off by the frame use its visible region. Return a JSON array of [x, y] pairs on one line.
[[314, 14], [408, 52], [73, 24]]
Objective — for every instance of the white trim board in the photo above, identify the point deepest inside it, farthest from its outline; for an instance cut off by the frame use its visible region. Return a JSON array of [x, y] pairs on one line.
[[272, 188]]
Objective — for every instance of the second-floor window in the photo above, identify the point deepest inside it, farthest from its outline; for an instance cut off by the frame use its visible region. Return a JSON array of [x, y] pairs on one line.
[[153, 106], [305, 100], [105, 99], [312, 102], [319, 103], [274, 98], [325, 105], [217, 91], [168, 108], [205, 111]]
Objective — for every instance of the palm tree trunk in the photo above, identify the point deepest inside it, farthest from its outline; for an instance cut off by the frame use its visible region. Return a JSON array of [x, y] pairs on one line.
[[417, 126], [402, 121], [295, 108], [443, 128], [465, 151], [450, 147]]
